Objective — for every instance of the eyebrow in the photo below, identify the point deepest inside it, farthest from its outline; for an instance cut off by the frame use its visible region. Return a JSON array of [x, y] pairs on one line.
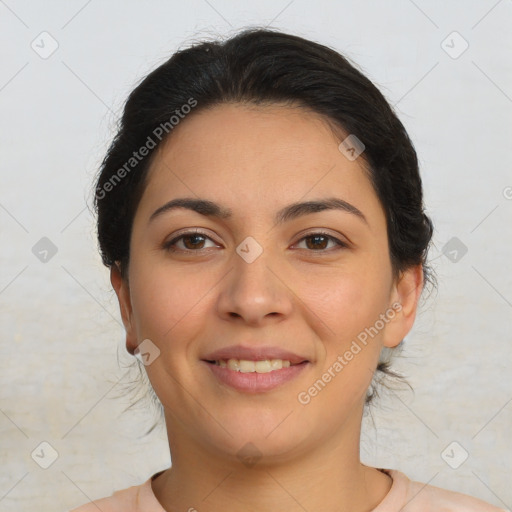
[[286, 214]]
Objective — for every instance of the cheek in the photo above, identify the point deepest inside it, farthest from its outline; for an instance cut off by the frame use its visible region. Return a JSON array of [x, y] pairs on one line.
[[163, 301], [168, 308], [348, 301]]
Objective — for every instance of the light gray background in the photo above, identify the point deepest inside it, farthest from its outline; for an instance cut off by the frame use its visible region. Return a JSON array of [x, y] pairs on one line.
[[60, 329]]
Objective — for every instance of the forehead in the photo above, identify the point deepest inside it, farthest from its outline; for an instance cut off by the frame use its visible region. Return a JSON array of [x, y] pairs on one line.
[[258, 157], [245, 134]]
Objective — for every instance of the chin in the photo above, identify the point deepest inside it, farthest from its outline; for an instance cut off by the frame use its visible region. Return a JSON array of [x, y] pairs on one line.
[[270, 438]]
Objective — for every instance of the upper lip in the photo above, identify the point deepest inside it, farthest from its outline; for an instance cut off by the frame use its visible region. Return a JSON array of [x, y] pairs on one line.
[[254, 354]]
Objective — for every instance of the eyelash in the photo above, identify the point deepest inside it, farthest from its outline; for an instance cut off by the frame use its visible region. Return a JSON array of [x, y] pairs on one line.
[[169, 245]]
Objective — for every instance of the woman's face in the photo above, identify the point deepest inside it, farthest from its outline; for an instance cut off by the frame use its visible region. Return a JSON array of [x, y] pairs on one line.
[[312, 286]]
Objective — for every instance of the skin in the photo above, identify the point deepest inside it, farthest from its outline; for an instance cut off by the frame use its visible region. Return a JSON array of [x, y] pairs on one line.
[[310, 298]]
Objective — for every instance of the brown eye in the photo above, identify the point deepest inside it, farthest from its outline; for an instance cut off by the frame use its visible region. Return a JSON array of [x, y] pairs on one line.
[[192, 241], [318, 242]]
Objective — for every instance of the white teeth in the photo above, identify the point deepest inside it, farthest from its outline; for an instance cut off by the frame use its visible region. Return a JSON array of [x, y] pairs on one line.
[[276, 364], [263, 366], [247, 366], [234, 364]]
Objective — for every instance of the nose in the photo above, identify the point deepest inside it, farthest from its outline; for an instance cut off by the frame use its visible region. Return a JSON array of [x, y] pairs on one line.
[[256, 292]]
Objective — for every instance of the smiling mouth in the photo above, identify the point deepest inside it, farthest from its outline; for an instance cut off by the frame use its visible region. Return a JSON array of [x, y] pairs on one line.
[[249, 366]]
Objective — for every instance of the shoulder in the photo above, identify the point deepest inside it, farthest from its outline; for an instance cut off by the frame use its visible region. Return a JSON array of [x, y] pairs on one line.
[[121, 501], [138, 498], [429, 498]]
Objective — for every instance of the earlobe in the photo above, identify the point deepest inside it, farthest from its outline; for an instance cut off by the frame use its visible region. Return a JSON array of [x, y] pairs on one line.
[[122, 290], [406, 293]]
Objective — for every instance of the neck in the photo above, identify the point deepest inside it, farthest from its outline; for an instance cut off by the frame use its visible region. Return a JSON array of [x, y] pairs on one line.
[[330, 478]]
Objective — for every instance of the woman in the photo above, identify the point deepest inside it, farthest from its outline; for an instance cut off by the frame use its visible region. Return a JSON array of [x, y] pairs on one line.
[[261, 214]]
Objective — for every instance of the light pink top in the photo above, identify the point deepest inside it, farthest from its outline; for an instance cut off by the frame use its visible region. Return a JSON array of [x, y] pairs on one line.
[[405, 495]]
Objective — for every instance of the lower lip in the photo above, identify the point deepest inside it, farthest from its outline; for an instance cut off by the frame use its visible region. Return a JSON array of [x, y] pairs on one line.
[[254, 382]]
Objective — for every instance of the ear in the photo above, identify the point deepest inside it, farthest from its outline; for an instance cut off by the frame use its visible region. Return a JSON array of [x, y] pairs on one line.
[[405, 295], [122, 290]]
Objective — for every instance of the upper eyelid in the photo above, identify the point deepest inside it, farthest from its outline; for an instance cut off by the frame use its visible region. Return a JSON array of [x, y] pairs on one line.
[[313, 231]]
